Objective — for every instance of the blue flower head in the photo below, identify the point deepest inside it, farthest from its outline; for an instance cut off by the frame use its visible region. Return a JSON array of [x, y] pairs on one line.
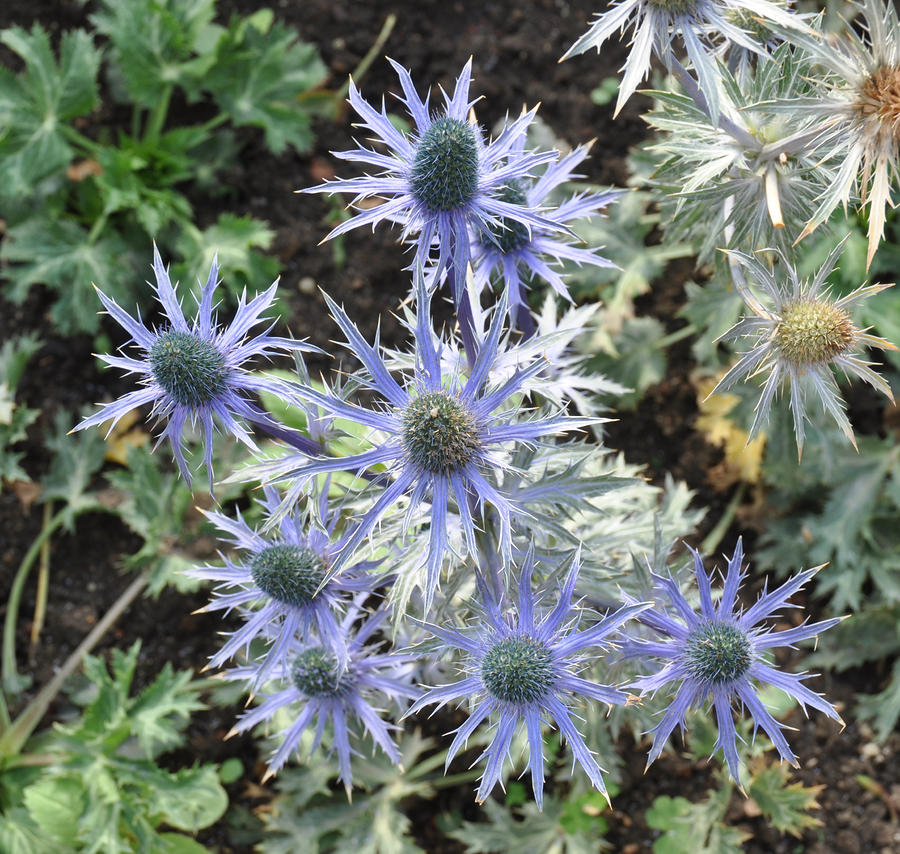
[[437, 434], [719, 654], [195, 371], [285, 578], [442, 177], [524, 667], [519, 254], [325, 691]]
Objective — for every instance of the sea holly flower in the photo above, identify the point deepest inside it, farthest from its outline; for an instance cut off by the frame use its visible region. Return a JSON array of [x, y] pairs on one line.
[[859, 114], [439, 434], [719, 654], [285, 577], [700, 23], [799, 333], [196, 372], [519, 254], [523, 667], [441, 178], [324, 690]]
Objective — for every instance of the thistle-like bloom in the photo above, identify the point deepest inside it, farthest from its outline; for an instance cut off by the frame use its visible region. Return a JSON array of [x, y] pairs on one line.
[[524, 667], [281, 576], [747, 181], [441, 178], [438, 435], [328, 691], [700, 23], [719, 654], [519, 255], [859, 114], [800, 333], [195, 371]]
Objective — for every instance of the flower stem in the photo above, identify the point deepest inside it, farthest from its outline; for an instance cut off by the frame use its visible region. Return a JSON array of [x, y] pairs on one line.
[[13, 740], [9, 672], [157, 117], [364, 63], [40, 605]]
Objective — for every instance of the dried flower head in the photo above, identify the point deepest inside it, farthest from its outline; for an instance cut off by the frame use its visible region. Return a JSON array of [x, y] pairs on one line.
[[799, 334], [196, 372], [719, 654]]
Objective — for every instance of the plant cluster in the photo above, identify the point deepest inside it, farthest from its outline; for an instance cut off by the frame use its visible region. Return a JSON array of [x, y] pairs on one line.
[[443, 525]]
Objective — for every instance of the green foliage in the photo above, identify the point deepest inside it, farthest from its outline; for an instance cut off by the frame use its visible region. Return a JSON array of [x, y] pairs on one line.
[[636, 358], [155, 505], [307, 816], [36, 104], [14, 417], [574, 825], [101, 790], [84, 211], [712, 309], [690, 828], [785, 805]]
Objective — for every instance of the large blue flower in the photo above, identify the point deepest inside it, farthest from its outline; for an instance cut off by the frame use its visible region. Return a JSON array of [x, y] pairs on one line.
[[524, 667], [440, 178], [326, 691], [436, 433], [720, 654], [196, 371], [520, 255], [282, 576]]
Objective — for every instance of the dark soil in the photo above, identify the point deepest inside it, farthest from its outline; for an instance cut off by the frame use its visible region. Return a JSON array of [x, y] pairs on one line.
[[516, 47]]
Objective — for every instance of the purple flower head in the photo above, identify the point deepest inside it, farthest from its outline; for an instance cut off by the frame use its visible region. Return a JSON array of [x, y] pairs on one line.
[[524, 667], [440, 178], [719, 654], [700, 23], [437, 433], [286, 578], [324, 690], [519, 254], [195, 371]]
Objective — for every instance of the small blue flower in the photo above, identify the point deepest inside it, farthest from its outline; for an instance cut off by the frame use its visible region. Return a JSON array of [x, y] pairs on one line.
[[194, 372], [441, 178], [524, 667], [437, 433], [328, 691], [518, 254], [719, 654], [283, 577]]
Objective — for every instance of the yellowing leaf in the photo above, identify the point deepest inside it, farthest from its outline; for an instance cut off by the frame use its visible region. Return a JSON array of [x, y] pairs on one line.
[[743, 458], [122, 438]]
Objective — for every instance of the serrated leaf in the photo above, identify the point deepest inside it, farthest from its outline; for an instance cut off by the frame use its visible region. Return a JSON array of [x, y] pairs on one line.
[[883, 709], [158, 43], [712, 309], [36, 103], [784, 805], [55, 806], [160, 711], [55, 252], [19, 835], [235, 241], [259, 78], [76, 459], [638, 359]]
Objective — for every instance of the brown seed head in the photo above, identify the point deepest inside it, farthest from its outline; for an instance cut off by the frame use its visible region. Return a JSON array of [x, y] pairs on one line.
[[880, 98]]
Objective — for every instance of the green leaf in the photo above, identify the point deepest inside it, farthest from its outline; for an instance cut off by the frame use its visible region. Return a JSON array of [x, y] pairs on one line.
[[35, 104], [14, 418], [161, 710], [47, 250], [785, 806], [77, 457], [638, 359], [713, 309], [883, 709], [175, 843], [234, 240], [19, 835], [154, 506], [694, 828], [260, 76], [55, 806], [190, 799], [157, 44]]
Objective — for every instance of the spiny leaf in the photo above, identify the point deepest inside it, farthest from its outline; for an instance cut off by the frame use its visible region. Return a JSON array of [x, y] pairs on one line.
[[785, 805]]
